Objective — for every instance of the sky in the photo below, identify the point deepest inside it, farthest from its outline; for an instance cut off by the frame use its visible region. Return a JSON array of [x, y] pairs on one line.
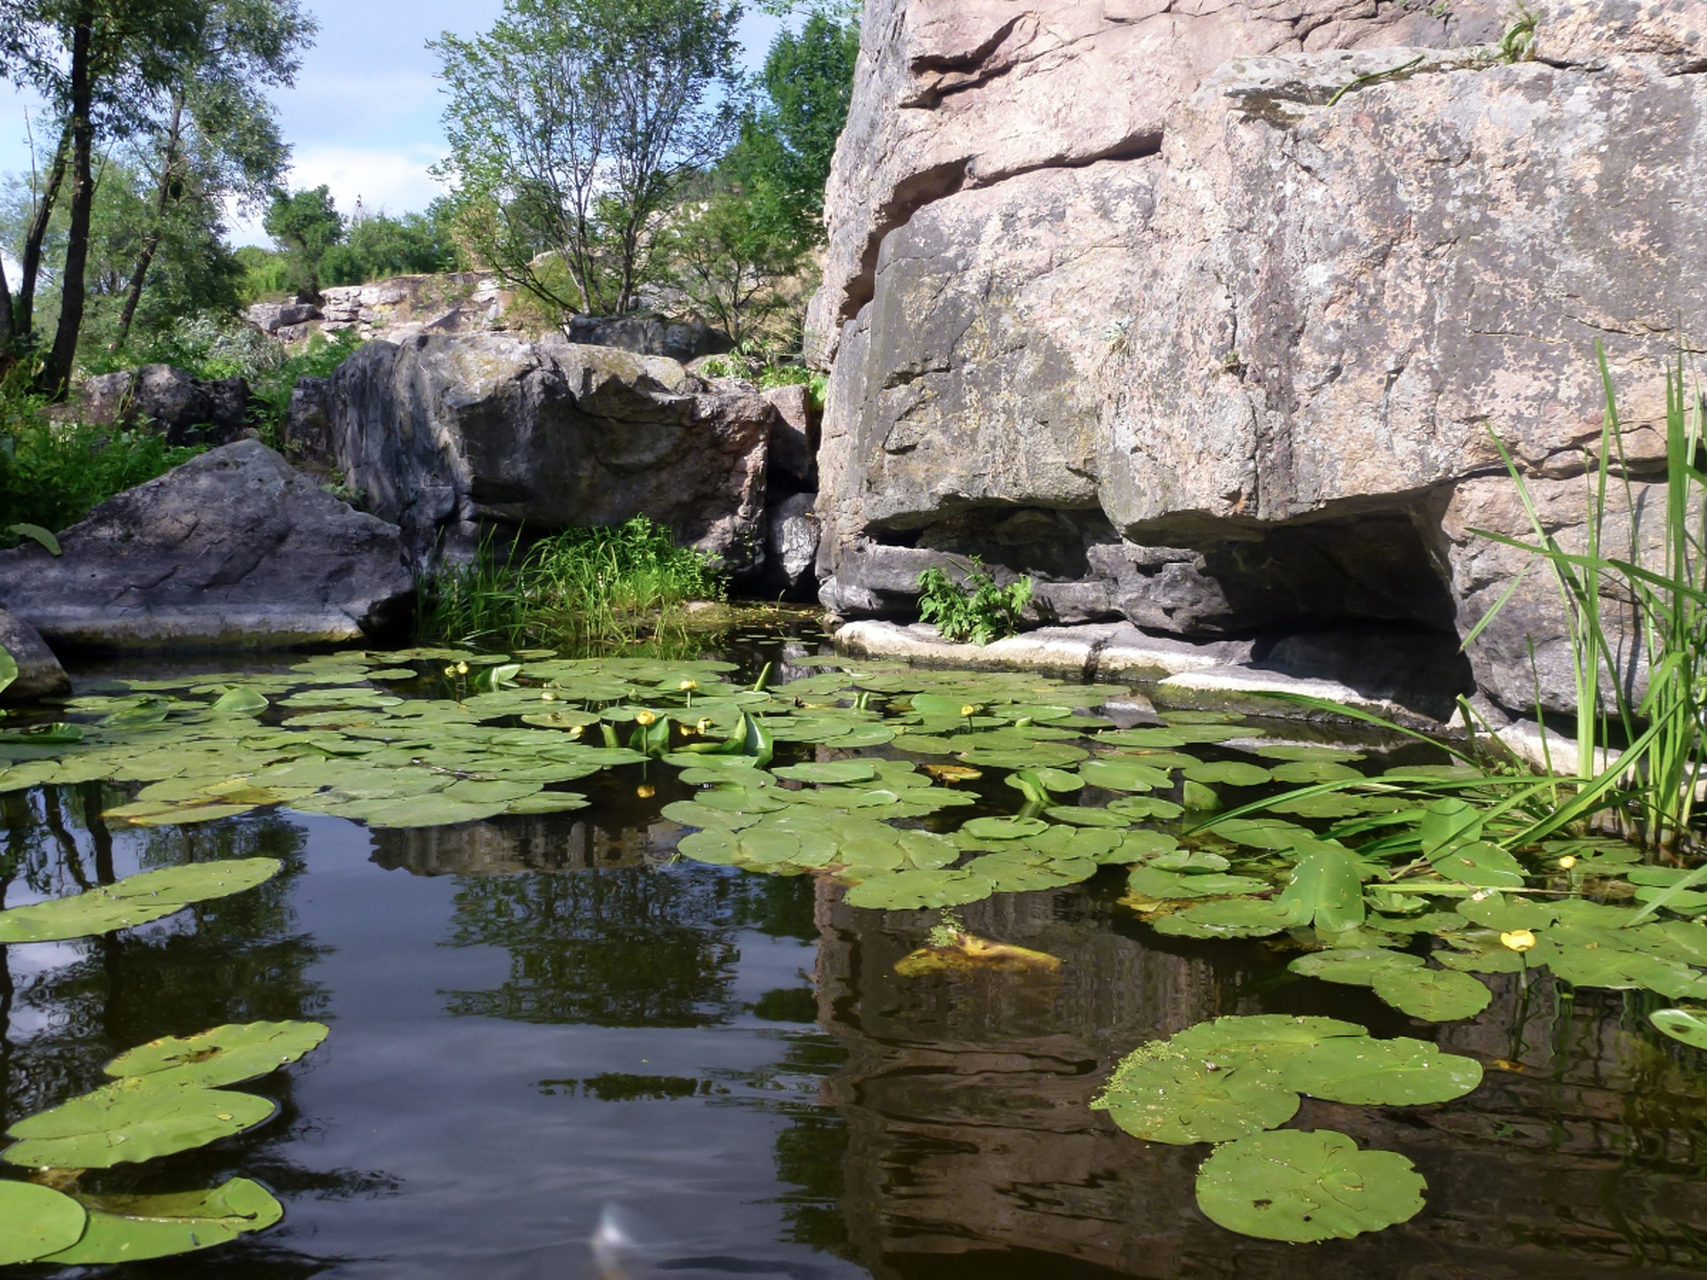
[[363, 117]]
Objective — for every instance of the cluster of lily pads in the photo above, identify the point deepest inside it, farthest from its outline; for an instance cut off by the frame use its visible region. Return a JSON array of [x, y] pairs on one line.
[[1410, 881], [166, 1097], [1234, 1080]]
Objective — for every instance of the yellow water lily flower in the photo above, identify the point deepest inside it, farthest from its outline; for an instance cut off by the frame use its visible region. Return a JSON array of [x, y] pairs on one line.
[[704, 726], [969, 711], [462, 668], [1567, 862], [1519, 940], [548, 696], [688, 686], [576, 731], [645, 718], [450, 672], [646, 791]]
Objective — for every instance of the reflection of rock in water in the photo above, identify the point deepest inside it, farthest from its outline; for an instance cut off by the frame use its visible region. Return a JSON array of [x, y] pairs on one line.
[[969, 1137], [505, 846]]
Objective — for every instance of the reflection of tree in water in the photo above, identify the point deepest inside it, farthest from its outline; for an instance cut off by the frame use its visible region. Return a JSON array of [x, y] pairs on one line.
[[236, 959], [634, 946]]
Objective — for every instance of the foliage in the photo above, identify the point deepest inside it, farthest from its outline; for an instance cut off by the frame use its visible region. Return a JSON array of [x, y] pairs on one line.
[[572, 126], [575, 585], [153, 895], [1304, 1187], [52, 474], [378, 246], [975, 609], [731, 247], [270, 388], [306, 225]]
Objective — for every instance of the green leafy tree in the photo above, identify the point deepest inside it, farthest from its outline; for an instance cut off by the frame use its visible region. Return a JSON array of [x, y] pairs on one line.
[[731, 247], [379, 246], [307, 226], [573, 125]]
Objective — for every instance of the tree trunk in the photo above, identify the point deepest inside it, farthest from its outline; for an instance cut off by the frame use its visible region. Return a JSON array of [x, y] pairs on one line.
[[24, 309], [56, 376], [5, 315], [162, 201]]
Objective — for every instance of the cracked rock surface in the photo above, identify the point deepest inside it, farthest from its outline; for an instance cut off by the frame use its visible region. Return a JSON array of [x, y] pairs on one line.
[[1235, 298], [234, 549]]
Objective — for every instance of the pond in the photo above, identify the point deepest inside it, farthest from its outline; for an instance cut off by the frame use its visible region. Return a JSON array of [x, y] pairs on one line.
[[563, 1045]]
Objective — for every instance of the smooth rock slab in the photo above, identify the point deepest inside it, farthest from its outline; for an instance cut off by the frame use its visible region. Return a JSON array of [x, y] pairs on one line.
[[234, 549], [39, 672]]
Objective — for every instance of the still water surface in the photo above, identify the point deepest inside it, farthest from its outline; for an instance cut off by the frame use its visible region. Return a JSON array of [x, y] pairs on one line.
[[541, 1024]]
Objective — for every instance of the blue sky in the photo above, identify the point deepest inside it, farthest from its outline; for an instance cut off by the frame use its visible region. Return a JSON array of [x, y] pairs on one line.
[[364, 115]]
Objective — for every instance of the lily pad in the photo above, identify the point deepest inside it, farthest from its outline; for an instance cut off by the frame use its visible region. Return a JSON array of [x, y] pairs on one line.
[[1354, 968], [1163, 886], [36, 1221], [1165, 1094], [1306, 1187], [1124, 774], [225, 1055], [1685, 1025], [1485, 865], [130, 1121], [1434, 995], [911, 890], [1400, 1072], [1233, 918], [134, 900], [834, 771], [135, 1228], [1234, 773]]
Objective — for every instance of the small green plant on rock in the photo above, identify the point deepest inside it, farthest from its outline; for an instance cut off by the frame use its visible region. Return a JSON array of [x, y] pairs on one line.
[[975, 609]]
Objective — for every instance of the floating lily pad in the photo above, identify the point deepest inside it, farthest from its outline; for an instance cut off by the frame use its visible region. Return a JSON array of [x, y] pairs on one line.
[[124, 1229], [911, 890], [1233, 918], [1312, 771], [134, 900], [1435, 995], [1355, 968], [1685, 1025], [1084, 816], [35, 1221], [1162, 886], [1121, 774], [1400, 1072], [835, 771], [1234, 773], [1306, 1187], [224, 1055], [131, 1121], [1165, 1094], [1481, 864], [1005, 828]]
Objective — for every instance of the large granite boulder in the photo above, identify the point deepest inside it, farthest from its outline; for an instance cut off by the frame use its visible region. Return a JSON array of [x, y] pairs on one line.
[[39, 672], [234, 549], [451, 436], [1240, 297], [188, 409], [647, 334]]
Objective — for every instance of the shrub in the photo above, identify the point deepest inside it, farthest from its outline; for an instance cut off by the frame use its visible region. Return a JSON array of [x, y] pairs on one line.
[[975, 609], [572, 587]]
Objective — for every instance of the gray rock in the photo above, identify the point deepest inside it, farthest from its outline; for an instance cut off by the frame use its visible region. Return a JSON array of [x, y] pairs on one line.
[[39, 672], [791, 546], [1150, 262], [308, 423], [794, 443], [451, 435], [647, 335], [234, 549], [189, 409], [271, 317]]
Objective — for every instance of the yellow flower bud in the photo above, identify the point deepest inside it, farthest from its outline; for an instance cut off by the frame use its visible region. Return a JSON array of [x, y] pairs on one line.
[[1519, 940], [576, 731], [646, 791], [688, 686], [704, 726], [1567, 862], [548, 696], [451, 672], [969, 710], [462, 668], [645, 718]]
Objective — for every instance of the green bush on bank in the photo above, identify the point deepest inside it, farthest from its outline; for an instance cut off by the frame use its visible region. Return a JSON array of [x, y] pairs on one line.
[[573, 587]]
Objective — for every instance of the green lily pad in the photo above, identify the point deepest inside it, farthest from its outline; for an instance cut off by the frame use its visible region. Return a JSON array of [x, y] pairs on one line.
[[1142, 807], [1165, 886], [1290, 751], [1165, 1094], [1355, 968], [1124, 774], [1004, 828], [1262, 1031], [35, 1221], [135, 1228], [1301, 772], [1685, 1025], [1261, 833], [1400, 1072], [1487, 866], [131, 1121], [1084, 816], [1434, 995], [240, 702], [134, 900], [225, 1055], [1306, 1187], [911, 890], [1233, 918], [1234, 773], [1449, 823], [834, 771]]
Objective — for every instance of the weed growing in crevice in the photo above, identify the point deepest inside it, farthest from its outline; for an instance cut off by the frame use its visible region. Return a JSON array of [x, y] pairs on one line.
[[974, 610]]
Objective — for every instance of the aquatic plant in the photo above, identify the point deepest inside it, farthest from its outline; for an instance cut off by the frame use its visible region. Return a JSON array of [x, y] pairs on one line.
[[573, 587], [975, 609], [166, 1097]]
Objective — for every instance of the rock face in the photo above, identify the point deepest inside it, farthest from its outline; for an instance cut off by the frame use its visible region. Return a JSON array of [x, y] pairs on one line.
[[647, 335], [1208, 319], [190, 410], [39, 672], [393, 310], [233, 549], [451, 435]]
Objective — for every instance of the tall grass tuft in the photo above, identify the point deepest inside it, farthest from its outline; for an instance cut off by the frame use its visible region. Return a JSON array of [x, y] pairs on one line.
[[579, 587]]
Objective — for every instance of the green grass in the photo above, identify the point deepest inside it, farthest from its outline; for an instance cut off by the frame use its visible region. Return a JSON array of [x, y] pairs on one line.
[[579, 587]]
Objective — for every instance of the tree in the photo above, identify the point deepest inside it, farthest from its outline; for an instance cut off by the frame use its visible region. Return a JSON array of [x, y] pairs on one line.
[[306, 225], [572, 125], [379, 246], [731, 247], [112, 69]]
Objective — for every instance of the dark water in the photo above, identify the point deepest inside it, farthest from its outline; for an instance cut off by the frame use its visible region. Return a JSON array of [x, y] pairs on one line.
[[538, 1021]]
